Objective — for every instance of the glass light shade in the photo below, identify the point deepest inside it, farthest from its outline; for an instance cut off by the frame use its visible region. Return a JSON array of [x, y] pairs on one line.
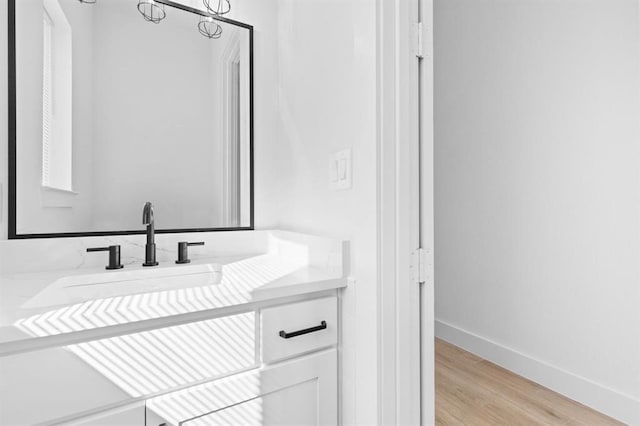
[[151, 10], [209, 28]]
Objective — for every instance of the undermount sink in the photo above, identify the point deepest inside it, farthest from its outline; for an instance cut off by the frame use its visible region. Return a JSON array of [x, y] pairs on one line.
[[81, 288]]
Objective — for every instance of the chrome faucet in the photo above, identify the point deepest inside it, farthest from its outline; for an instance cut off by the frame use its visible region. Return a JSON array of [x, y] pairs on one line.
[[150, 247]]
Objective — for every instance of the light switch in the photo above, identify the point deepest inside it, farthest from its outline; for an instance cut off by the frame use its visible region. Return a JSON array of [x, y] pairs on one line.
[[340, 170], [333, 171]]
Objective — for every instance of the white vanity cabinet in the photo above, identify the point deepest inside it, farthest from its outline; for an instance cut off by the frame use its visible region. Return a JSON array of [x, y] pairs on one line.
[[254, 342], [275, 364], [296, 383]]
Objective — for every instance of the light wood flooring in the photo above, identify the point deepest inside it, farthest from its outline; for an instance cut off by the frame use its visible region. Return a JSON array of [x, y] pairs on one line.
[[473, 391]]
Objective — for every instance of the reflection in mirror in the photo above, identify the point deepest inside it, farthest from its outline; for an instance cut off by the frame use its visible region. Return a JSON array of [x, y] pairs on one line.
[[113, 111]]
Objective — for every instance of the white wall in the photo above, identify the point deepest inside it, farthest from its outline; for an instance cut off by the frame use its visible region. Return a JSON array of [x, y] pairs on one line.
[[537, 190], [327, 64]]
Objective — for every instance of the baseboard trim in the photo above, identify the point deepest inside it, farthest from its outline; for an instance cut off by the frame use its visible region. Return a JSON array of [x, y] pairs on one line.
[[622, 407]]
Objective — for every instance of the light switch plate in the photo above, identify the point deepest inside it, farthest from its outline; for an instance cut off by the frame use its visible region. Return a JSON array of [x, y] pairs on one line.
[[340, 170]]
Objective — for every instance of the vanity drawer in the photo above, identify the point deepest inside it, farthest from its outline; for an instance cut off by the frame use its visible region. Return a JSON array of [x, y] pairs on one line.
[[299, 328]]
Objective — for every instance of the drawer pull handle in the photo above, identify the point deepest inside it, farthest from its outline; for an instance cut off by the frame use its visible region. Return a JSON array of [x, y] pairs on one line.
[[286, 335]]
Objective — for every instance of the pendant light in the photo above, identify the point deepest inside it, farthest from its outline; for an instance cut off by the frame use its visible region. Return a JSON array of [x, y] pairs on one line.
[[151, 10], [209, 28], [217, 7]]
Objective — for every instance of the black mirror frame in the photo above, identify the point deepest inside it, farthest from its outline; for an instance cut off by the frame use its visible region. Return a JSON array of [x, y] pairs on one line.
[[12, 142]]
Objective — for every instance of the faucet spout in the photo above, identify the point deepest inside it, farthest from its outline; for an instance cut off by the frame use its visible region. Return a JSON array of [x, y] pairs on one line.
[[150, 247], [147, 213]]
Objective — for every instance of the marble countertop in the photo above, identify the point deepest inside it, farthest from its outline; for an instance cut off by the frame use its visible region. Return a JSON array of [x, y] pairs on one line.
[[49, 307]]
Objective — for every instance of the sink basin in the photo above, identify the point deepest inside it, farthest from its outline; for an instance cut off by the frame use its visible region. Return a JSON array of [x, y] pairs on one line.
[[81, 288]]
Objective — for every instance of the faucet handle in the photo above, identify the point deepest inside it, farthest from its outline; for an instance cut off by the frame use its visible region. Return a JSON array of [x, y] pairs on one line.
[[114, 256], [183, 251]]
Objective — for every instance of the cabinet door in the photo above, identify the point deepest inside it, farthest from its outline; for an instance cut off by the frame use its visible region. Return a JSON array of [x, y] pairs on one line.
[[46, 386], [299, 392], [296, 405]]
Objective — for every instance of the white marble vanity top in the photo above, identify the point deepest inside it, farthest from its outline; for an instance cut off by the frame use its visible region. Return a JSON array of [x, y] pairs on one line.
[[233, 269]]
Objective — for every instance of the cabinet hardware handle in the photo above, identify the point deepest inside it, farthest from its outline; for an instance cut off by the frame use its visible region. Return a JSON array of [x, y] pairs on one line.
[[286, 335]]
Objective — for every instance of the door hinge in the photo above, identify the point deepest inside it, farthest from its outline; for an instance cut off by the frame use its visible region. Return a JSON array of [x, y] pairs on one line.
[[418, 40], [422, 265]]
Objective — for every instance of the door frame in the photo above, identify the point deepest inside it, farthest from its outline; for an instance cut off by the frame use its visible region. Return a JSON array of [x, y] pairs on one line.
[[427, 214], [405, 212]]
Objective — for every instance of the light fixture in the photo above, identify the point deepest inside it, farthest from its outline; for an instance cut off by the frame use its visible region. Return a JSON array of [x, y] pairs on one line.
[[209, 28], [87, 1], [217, 7], [151, 10]]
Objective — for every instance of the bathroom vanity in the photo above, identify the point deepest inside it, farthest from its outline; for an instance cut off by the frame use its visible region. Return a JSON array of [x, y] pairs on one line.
[[247, 333], [230, 327]]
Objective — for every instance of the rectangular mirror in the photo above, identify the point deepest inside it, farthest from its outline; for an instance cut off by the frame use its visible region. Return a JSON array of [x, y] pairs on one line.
[[109, 109]]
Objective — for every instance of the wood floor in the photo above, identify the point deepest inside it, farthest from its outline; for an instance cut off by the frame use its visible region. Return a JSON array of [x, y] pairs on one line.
[[473, 391]]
